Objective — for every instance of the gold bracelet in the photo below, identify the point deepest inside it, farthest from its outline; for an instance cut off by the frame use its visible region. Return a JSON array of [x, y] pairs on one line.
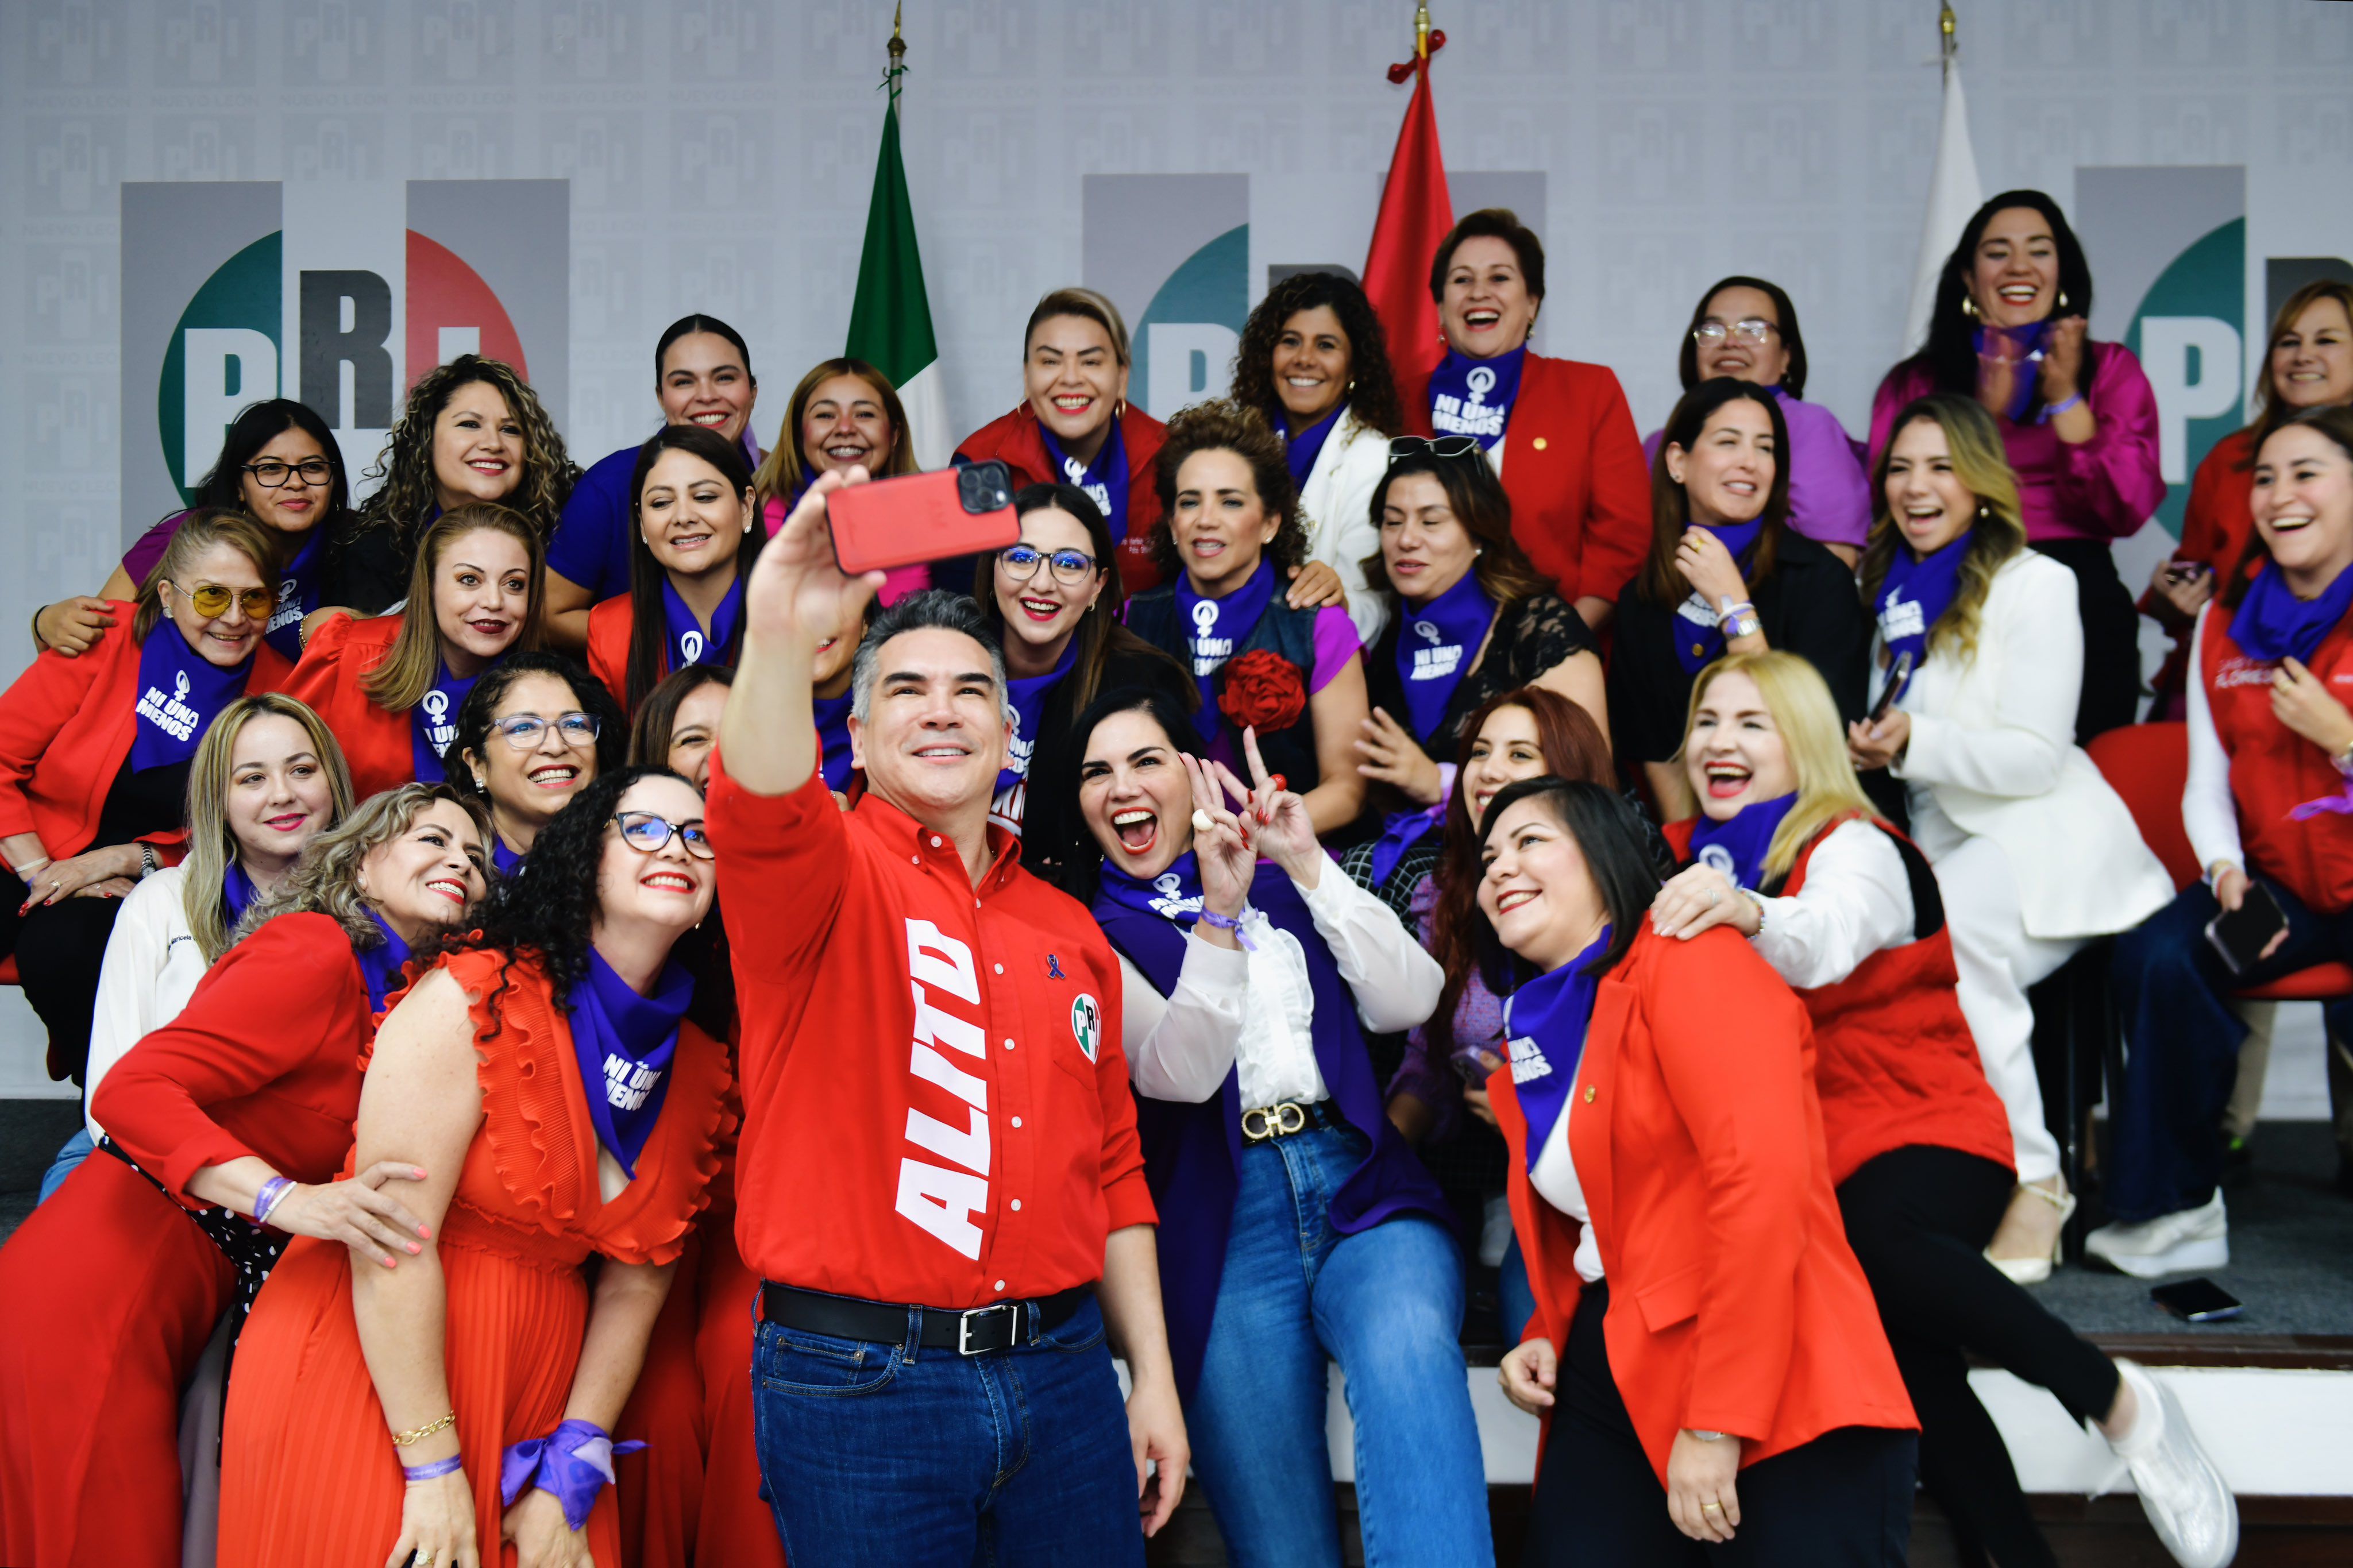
[[418, 1435]]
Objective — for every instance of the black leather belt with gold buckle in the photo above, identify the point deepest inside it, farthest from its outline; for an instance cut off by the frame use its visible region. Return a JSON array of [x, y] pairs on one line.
[[1276, 1120]]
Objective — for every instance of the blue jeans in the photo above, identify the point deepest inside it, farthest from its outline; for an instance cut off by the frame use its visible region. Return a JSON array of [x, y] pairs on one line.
[[1386, 1304], [891, 1456], [2182, 1039], [78, 1148]]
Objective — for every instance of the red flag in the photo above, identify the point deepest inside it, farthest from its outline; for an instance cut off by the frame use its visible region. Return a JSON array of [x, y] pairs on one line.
[[1416, 213]]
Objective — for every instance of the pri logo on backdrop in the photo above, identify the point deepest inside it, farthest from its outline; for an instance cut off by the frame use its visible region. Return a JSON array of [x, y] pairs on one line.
[[339, 294]]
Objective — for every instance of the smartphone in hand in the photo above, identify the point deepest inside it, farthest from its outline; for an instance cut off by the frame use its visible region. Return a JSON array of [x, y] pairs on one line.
[[2240, 935], [923, 517], [1899, 676]]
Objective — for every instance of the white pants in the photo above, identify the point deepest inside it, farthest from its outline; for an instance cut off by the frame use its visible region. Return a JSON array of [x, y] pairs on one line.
[[1997, 961]]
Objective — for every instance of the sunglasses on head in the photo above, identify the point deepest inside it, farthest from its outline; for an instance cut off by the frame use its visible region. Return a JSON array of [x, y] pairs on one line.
[[212, 601], [1403, 447]]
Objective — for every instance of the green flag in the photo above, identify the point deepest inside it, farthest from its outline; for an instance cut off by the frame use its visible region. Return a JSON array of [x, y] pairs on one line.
[[890, 318]]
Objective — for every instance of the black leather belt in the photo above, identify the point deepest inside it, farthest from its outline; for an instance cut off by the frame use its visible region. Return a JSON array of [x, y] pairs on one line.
[[981, 1330]]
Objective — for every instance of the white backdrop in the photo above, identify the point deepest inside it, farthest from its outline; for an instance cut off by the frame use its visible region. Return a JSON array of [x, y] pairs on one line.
[[718, 156]]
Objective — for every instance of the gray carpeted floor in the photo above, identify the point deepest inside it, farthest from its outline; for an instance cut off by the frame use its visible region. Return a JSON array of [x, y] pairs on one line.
[[2291, 1252], [2291, 1234]]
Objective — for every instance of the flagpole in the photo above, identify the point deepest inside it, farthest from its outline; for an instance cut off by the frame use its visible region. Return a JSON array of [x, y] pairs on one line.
[[1949, 40], [898, 46]]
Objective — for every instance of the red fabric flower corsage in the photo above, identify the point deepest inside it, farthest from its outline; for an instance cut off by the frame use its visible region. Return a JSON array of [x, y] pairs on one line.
[[1261, 690]]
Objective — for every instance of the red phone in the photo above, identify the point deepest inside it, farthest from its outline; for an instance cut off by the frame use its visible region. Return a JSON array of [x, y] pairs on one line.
[[923, 517]]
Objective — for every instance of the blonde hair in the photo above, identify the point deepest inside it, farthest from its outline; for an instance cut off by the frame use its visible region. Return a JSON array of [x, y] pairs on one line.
[[780, 470], [1805, 717], [199, 531], [326, 880], [401, 681], [2000, 533], [212, 848], [1086, 304]]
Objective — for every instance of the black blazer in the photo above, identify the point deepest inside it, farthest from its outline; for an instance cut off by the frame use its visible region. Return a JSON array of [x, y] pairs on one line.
[[1811, 606]]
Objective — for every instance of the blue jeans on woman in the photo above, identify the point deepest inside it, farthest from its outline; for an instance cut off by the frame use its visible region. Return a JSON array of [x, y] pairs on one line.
[[1386, 1304], [893, 1456]]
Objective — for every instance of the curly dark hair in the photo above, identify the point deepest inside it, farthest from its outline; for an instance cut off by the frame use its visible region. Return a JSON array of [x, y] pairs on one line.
[[544, 913], [1223, 425], [406, 501], [1372, 395], [474, 713]]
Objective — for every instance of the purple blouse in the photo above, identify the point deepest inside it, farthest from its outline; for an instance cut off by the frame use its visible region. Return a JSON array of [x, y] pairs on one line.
[[2105, 488], [1424, 1073], [1830, 499]]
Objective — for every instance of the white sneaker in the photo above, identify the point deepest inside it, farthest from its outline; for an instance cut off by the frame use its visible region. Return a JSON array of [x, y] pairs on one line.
[[2187, 1502], [2170, 1244]]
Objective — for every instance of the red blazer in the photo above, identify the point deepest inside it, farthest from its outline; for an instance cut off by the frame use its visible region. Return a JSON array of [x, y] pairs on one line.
[[1573, 467], [264, 1059], [611, 625], [1014, 440], [1735, 1303], [66, 729], [1894, 1064], [377, 742]]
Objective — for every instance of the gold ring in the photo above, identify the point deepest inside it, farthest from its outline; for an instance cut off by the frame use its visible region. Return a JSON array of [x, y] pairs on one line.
[[1711, 1508]]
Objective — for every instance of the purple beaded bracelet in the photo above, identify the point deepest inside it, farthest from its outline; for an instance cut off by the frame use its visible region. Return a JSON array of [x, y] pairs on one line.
[[434, 1471]]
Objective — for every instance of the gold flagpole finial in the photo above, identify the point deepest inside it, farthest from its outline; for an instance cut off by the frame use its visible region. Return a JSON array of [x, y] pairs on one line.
[[1947, 40], [1421, 31], [898, 45]]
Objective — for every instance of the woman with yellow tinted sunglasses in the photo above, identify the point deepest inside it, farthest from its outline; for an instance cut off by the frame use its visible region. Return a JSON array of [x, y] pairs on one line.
[[95, 752]]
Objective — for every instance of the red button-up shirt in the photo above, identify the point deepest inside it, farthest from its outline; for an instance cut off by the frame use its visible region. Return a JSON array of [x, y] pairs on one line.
[[936, 1106]]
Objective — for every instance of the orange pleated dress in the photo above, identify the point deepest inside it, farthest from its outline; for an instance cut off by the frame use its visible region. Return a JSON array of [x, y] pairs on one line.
[[308, 1475]]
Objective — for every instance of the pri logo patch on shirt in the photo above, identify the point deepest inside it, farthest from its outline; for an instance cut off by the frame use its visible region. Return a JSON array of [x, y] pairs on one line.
[[1086, 1025]]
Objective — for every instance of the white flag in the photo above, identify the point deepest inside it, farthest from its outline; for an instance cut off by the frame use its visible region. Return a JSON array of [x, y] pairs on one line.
[[1954, 196]]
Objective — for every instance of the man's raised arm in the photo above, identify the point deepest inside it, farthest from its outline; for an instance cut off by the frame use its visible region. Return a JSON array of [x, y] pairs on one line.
[[797, 597]]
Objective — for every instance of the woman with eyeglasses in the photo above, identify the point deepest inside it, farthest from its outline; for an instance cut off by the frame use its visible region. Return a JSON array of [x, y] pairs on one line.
[[1229, 532], [1468, 618], [703, 381], [1558, 431], [1055, 601], [1075, 424], [697, 536], [1314, 362], [95, 751], [1747, 328], [471, 431], [279, 466], [1727, 572], [228, 1131], [2078, 419], [390, 686], [532, 734], [556, 1079]]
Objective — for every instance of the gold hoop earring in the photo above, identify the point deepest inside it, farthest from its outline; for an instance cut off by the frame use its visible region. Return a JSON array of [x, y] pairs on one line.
[[1970, 307], [1119, 409]]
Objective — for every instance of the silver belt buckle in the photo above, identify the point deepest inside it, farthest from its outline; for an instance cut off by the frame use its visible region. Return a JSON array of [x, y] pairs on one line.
[[1275, 1120], [965, 1322]]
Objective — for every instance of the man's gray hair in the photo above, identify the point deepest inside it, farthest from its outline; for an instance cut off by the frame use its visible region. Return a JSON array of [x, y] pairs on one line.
[[942, 607]]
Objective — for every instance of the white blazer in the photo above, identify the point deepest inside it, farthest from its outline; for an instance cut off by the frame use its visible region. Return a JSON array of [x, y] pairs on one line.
[[151, 969], [1336, 505], [1993, 742]]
